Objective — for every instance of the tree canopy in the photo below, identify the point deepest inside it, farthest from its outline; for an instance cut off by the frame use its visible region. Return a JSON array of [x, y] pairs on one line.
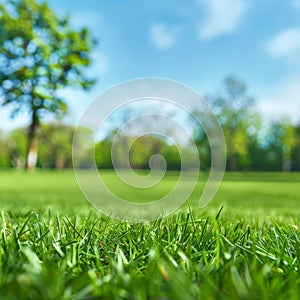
[[39, 55]]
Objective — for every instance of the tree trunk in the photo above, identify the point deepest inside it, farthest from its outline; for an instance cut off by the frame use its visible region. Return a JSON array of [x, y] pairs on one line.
[[232, 162], [32, 143], [231, 150], [286, 161], [59, 163]]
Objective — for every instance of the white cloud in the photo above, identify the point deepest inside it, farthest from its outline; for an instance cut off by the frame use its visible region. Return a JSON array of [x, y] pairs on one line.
[[283, 100], [222, 17], [286, 45], [163, 36]]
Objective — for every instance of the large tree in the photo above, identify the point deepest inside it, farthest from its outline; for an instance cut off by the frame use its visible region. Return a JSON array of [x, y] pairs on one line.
[[39, 55]]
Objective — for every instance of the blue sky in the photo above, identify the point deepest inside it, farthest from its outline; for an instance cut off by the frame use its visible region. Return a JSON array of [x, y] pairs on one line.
[[196, 42]]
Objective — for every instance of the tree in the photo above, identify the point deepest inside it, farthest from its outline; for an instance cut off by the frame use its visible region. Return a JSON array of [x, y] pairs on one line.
[[141, 150], [296, 150], [55, 149], [39, 54], [283, 136], [17, 147], [288, 144], [4, 152], [233, 109], [202, 144]]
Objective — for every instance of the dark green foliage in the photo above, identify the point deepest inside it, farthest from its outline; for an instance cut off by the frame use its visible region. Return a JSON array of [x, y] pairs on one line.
[[140, 152]]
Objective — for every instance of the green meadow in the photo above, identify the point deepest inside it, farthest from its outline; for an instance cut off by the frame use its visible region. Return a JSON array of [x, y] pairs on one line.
[[243, 245], [243, 193]]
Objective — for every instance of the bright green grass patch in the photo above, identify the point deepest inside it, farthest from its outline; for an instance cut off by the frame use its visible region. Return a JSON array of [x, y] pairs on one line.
[[54, 245], [182, 257], [252, 193]]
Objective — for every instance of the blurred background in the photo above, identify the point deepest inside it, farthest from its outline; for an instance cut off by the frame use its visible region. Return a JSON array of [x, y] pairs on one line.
[[242, 56]]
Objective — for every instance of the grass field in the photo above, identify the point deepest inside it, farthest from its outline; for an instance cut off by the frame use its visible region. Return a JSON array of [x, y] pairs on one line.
[[54, 245]]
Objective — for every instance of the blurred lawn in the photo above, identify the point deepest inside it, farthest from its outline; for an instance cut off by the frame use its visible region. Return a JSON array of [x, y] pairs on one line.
[[242, 194]]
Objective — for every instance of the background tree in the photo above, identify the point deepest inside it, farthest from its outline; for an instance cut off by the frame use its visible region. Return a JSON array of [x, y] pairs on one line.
[[202, 144], [140, 152], [103, 154], [17, 146], [233, 109], [55, 150], [296, 150], [39, 54], [288, 144], [283, 140], [4, 151]]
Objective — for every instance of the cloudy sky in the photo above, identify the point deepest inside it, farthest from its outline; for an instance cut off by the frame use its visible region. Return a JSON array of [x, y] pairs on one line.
[[196, 42]]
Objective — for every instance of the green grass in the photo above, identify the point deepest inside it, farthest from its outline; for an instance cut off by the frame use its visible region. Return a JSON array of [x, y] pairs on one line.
[[54, 245]]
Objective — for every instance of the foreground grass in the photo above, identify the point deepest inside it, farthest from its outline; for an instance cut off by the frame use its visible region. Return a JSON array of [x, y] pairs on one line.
[[53, 245], [69, 257]]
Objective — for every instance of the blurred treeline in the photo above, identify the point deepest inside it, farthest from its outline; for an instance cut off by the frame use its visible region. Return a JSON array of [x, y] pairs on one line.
[[272, 148], [54, 150]]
